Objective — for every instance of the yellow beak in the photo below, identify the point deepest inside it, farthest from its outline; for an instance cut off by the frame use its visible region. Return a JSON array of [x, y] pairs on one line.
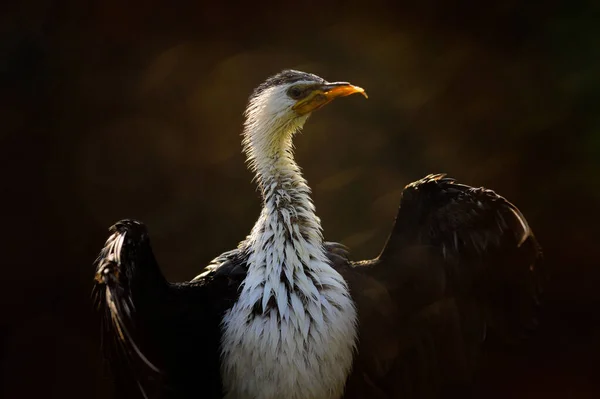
[[324, 94]]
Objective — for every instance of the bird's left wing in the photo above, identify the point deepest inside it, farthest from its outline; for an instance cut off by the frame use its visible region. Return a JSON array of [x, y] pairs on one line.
[[479, 244], [460, 262]]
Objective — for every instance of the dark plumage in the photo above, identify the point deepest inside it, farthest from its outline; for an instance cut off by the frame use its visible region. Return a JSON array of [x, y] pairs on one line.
[[150, 326], [459, 262]]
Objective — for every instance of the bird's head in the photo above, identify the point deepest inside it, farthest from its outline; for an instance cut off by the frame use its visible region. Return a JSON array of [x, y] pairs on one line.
[[281, 104]]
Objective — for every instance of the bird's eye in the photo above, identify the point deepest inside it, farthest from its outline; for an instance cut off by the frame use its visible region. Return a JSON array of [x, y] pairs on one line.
[[295, 92]]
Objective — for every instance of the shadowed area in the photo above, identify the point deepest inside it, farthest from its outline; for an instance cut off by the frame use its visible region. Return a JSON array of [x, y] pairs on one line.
[[112, 110]]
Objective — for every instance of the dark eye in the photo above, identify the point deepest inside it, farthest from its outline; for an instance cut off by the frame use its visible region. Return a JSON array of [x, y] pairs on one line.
[[295, 92]]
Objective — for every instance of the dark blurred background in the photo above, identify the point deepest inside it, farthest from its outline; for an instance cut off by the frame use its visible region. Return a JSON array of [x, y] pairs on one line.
[[112, 109]]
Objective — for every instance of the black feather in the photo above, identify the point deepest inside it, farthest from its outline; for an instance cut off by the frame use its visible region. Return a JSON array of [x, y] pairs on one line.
[[161, 339], [460, 262]]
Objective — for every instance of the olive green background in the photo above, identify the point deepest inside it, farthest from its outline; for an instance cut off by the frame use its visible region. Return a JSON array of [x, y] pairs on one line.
[[114, 109]]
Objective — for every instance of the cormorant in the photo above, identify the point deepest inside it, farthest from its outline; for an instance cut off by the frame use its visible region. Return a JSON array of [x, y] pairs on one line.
[[289, 315]]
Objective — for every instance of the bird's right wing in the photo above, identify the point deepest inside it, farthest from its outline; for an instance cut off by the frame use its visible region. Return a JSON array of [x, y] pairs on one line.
[[161, 339], [128, 284]]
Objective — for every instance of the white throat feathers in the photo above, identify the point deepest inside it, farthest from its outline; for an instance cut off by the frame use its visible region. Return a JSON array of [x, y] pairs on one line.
[[292, 332]]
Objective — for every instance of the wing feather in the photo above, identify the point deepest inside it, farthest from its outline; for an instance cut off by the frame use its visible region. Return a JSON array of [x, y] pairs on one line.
[[126, 253], [460, 262], [161, 339]]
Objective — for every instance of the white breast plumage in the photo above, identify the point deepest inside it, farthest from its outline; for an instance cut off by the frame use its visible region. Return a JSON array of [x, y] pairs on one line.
[[292, 332], [288, 339]]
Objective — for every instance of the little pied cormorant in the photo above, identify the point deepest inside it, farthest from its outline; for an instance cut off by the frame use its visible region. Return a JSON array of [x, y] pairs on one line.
[[289, 315]]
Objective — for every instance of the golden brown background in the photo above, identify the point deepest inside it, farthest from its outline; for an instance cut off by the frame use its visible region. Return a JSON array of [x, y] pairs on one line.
[[112, 109]]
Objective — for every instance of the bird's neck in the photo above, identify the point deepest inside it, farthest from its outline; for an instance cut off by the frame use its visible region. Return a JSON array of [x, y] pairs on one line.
[[284, 188], [287, 202], [286, 243], [285, 193]]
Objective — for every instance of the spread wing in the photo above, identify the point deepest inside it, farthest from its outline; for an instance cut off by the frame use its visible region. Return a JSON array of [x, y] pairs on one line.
[[126, 255], [460, 264], [160, 339]]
